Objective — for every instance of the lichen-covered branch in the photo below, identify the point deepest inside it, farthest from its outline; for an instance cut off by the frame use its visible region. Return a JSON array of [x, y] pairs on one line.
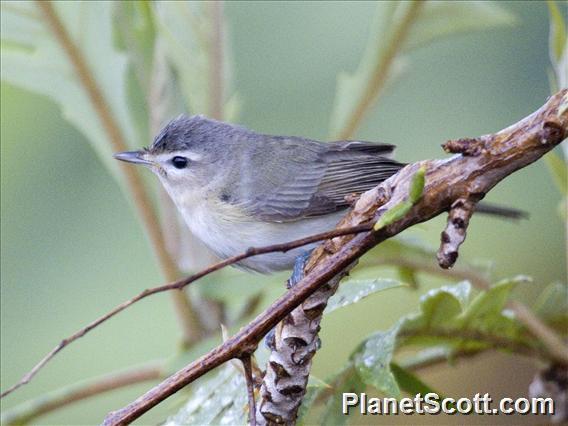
[[459, 177], [292, 349], [454, 234]]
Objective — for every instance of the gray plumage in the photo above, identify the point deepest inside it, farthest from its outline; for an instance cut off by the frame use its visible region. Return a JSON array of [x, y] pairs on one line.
[[278, 178], [236, 188]]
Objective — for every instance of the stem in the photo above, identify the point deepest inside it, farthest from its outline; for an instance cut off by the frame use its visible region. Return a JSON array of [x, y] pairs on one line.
[[216, 61], [247, 364], [381, 72], [142, 202], [68, 395]]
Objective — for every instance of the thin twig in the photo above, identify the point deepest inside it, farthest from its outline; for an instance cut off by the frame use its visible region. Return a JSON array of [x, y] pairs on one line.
[[474, 336], [540, 330], [439, 358], [446, 181], [55, 400], [381, 73], [133, 180], [247, 364], [180, 284], [459, 273]]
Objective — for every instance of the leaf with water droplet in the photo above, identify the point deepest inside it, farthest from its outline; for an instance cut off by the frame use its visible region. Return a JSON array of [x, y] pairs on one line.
[[352, 291]]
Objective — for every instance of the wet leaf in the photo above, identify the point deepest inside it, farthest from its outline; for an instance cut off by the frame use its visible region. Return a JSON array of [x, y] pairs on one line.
[[372, 361], [485, 312], [409, 382], [348, 381], [352, 291], [448, 321], [220, 400]]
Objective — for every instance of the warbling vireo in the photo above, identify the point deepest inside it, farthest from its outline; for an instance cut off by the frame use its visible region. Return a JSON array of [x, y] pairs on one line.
[[237, 189]]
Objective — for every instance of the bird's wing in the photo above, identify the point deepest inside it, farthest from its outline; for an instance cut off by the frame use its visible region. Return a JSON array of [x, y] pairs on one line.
[[313, 179]]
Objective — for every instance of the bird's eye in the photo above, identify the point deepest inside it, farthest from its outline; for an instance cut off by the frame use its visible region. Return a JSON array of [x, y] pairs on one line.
[[180, 162]]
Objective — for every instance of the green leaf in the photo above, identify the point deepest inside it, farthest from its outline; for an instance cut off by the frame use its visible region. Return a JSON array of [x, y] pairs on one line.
[[398, 211], [347, 381], [221, 399], [393, 214], [373, 358], [441, 19], [136, 34], [408, 276], [417, 185], [557, 38], [185, 30], [314, 390], [409, 382], [446, 318], [486, 311], [559, 171], [439, 308], [552, 306], [352, 291], [32, 58]]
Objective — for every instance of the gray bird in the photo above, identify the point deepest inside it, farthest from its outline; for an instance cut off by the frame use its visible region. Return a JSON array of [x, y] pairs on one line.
[[236, 188]]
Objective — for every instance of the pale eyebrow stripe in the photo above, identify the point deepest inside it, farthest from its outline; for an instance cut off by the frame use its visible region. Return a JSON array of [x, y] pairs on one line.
[[193, 156]]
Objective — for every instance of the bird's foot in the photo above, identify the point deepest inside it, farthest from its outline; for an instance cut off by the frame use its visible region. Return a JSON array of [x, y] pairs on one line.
[[295, 278], [298, 271]]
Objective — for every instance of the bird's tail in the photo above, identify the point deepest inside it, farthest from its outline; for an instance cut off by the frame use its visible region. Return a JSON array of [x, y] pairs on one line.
[[504, 212]]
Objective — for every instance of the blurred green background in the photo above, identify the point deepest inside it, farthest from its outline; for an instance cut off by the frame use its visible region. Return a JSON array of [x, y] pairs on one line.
[[72, 247]]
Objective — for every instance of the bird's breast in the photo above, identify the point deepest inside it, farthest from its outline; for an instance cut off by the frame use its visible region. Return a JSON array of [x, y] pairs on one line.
[[227, 230]]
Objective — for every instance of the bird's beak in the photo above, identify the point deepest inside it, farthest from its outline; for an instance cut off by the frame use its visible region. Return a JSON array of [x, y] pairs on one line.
[[135, 157]]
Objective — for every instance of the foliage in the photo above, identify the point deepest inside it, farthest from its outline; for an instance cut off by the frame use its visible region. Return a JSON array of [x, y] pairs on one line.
[[33, 59], [453, 322]]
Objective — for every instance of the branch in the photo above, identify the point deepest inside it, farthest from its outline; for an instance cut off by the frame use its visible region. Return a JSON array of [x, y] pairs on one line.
[[180, 284], [294, 345], [118, 143], [28, 411], [247, 365], [461, 176]]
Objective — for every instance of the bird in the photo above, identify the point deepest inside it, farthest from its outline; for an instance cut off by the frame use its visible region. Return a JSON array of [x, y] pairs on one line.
[[236, 188]]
